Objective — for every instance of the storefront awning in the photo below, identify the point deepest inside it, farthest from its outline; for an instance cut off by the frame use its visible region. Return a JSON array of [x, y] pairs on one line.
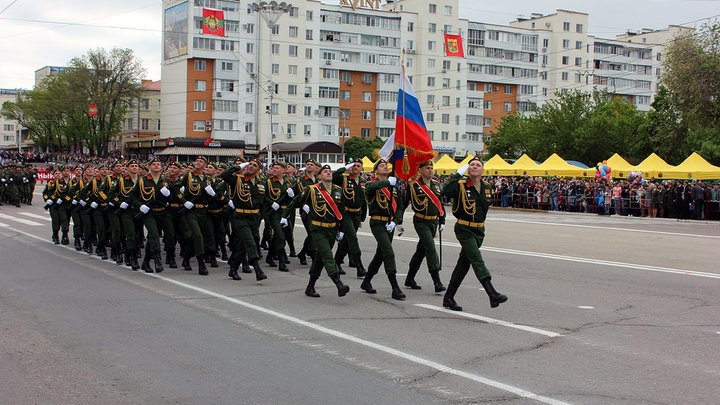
[[197, 151]]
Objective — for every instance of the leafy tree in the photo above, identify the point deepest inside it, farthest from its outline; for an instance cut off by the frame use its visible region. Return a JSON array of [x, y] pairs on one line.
[[357, 147]]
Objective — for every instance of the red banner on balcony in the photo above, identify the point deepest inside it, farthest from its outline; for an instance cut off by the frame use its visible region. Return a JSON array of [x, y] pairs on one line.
[[213, 22], [454, 45]]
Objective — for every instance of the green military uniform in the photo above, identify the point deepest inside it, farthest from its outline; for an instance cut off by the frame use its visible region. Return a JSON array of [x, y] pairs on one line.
[[355, 211], [150, 198], [385, 208], [85, 213], [116, 232], [470, 206], [14, 185], [276, 199], [196, 219], [325, 218], [247, 197], [307, 250], [121, 197], [216, 205], [95, 197], [288, 233], [429, 213], [56, 199], [180, 230], [76, 185]]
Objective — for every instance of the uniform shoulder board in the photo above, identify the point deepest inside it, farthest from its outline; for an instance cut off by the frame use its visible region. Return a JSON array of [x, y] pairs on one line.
[[149, 177]]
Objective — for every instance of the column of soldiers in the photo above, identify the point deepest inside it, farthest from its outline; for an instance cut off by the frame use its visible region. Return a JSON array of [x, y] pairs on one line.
[[210, 210], [17, 183]]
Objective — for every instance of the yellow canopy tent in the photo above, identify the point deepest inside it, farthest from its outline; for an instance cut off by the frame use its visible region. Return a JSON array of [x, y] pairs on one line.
[[694, 167], [557, 166], [619, 167], [367, 164], [446, 165], [654, 166], [524, 167], [466, 160], [497, 166]]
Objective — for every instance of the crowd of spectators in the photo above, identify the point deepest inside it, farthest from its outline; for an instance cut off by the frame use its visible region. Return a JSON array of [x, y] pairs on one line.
[[55, 157]]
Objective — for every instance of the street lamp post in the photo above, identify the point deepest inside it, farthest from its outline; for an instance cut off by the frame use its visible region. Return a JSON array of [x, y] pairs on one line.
[[271, 13], [342, 133]]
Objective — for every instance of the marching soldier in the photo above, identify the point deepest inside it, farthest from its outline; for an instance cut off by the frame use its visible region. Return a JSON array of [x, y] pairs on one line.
[[195, 197], [290, 180], [95, 197], [471, 201], [85, 211], [276, 198], [56, 200], [216, 205], [423, 194], [385, 214], [116, 232], [121, 197], [248, 195], [304, 182], [181, 232], [75, 186], [323, 204], [355, 211]]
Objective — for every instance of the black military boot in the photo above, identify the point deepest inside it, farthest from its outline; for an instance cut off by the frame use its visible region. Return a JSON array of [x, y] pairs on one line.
[[146, 263], [133, 261], [449, 298], [361, 272], [128, 258], [103, 252], [291, 244], [233, 274], [186, 264], [269, 259], [119, 258], [367, 285], [341, 288], [301, 256], [65, 240], [55, 238], [264, 243], [202, 270], [170, 258], [88, 247], [158, 262], [495, 297], [283, 260], [78, 245], [397, 293], [282, 256], [310, 289], [410, 279], [223, 252], [439, 287], [259, 275], [245, 267], [213, 260]]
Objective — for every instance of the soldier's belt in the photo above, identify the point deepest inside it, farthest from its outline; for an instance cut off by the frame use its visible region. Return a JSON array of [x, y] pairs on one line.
[[352, 209], [103, 204], [324, 224], [427, 217], [380, 218], [283, 206], [161, 209], [215, 211], [174, 205], [471, 224], [243, 211], [199, 206]]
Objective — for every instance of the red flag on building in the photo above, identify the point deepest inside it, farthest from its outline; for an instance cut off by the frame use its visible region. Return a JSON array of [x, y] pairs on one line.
[[454, 45], [213, 22], [92, 110]]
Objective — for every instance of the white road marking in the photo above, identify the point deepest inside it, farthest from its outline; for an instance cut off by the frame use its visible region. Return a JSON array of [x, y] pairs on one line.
[[3, 225], [586, 307], [31, 215], [605, 227], [570, 258], [491, 320], [22, 221], [363, 342]]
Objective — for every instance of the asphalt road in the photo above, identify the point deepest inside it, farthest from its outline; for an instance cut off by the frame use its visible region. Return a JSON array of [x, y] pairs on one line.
[[602, 310]]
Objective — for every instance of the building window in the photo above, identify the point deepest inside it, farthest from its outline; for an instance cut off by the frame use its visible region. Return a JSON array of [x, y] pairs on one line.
[[366, 115], [564, 76], [292, 89], [199, 105], [308, 53], [293, 50], [566, 26], [145, 124], [578, 44], [566, 43], [430, 117], [367, 78], [448, 10], [200, 65], [508, 89], [249, 28], [307, 129], [431, 45], [365, 132], [275, 29], [226, 66], [292, 109], [200, 85], [579, 28], [431, 81], [487, 105], [432, 27], [444, 135], [293, 32], [275, 68], [507, 107], [411, 26], [565, 60], [578, 61], [199, 126], [445, 118], [432, 8], [309, 35], [248, 127], [249, 48], [307, 110], [367, 96]]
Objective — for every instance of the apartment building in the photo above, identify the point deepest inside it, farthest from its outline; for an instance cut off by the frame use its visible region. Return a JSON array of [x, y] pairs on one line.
[[11, 131], [326, 72]]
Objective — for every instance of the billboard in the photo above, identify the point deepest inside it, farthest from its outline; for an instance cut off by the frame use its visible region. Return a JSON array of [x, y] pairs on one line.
[[175, 31]]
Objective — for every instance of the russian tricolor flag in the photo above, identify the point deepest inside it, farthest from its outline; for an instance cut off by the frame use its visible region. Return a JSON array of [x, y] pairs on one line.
[[410, 143]]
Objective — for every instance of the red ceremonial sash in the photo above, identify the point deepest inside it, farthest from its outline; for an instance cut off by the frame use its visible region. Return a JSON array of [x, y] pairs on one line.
[[329, 200], [432, 196], [386, 192]]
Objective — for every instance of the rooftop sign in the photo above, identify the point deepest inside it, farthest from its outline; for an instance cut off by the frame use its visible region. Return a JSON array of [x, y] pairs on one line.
[[365, 4]]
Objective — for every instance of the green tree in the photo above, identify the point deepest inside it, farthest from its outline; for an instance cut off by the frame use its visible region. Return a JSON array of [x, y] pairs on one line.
[[357, 147]]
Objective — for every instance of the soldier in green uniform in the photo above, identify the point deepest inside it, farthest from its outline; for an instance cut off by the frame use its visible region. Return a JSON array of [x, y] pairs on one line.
[[195, 197], [116, 232], [471, 200], [14, 184], [323, 204], [121, 197], [29, 180], [385, 208], [216, 205], [248, 195], [181, 232], [56, 201], [95, 196], [75, 186], [277, 196], [85, 211], [306, 180], [288, 232], [355, 211], [423, 195]]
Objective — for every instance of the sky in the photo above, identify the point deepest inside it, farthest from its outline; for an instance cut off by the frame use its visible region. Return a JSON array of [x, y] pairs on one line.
[[36, 33]]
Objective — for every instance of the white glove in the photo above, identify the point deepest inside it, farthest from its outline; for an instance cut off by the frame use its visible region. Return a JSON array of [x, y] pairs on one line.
[[392, 181], [124, 205], [340, 235], [306, 208], [400, 230], [275, 206], [283, 222], [390, 227], [463, 169], [290, 193], [441, 228], [231, 204], [165, 191], [188, 205], [243, 165], [74, 202], [144, 209], [83, 203], [349, 166], [49, 202], [94, 204], [111, 204], [182, 189], [210, 191], [59, 201]]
